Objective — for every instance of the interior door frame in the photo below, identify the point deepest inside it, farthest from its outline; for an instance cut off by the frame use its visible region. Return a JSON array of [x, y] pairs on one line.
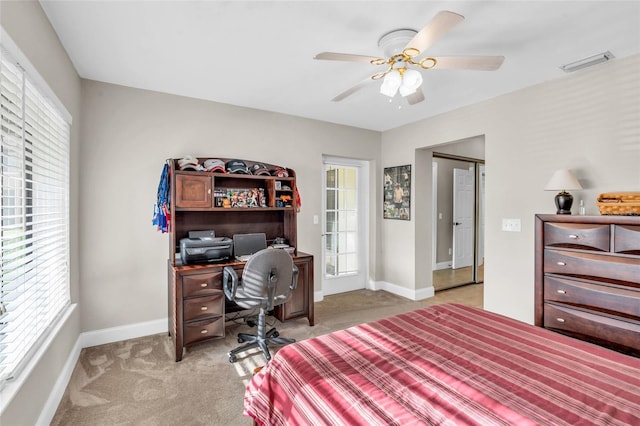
[[479, 164]]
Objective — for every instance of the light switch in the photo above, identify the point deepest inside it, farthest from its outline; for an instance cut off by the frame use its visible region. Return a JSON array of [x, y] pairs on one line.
[[315, 219], [511, 225]]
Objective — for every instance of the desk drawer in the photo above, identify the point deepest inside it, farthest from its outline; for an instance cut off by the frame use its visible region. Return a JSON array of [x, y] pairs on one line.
[[201, 330], [201, 284], [204, 307], [599, 266], [575, 292], [577, 235], [590, 324]]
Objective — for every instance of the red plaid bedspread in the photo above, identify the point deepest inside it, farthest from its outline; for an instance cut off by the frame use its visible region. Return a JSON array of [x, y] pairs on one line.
[[445, 364]]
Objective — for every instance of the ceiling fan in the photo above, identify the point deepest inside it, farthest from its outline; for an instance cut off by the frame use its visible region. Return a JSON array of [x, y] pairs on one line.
[[403, 72]]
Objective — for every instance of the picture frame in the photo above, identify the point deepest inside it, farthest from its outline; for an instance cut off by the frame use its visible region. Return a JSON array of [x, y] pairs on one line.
[[397, 192], [278, 185]]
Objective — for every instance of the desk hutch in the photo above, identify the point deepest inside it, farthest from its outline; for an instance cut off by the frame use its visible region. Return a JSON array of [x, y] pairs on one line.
[[197, 305]]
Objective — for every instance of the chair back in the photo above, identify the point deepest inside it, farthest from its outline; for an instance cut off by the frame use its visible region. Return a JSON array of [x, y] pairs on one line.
[[269, 276]]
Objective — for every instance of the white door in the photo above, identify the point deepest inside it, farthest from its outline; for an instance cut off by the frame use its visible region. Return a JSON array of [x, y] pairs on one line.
[[463, 215], [345, 226]]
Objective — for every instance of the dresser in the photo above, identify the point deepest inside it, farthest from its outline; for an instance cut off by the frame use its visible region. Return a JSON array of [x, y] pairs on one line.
[[587, 278]]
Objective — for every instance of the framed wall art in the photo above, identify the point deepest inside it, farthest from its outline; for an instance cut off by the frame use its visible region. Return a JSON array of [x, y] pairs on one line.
[[397, 192]]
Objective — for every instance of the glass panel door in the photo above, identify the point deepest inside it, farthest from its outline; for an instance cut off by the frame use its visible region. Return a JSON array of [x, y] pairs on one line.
[[341, 212], [344, 226]]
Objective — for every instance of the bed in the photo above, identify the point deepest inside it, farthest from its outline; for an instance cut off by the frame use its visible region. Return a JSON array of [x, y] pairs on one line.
[[445, 364]]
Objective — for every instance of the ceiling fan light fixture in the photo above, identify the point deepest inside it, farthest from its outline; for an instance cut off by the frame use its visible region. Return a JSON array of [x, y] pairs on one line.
[[403, 50], [411, 80], [391, 83]]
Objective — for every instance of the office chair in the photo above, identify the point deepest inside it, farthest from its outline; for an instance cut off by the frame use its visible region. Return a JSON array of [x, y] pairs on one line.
[[268, 279]]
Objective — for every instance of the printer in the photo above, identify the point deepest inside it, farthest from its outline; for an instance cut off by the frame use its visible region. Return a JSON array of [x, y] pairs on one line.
[[201, 247]]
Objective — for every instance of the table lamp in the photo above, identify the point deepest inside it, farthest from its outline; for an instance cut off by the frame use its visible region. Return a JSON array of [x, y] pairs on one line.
[[563, 180]]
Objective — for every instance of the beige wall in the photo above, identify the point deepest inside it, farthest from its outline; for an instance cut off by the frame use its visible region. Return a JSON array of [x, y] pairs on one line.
[[588, 122], [28, 27], [127, 134]]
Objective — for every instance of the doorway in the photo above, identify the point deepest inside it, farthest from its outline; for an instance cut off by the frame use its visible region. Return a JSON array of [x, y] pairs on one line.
[[458, 231], [344, 224]]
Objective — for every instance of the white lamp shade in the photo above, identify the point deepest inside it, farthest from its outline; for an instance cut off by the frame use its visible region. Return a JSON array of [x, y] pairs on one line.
[[391, 83], [563, 180], [411, 80]]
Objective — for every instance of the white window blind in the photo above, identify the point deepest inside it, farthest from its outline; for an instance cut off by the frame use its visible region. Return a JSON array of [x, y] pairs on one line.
[[34, 158]]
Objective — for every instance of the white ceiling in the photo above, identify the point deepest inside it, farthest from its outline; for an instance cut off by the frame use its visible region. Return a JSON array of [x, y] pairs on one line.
[[259, 54]]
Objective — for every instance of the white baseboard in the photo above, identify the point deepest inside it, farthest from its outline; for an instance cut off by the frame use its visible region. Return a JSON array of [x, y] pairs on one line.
[[423, 293], [116, 334]]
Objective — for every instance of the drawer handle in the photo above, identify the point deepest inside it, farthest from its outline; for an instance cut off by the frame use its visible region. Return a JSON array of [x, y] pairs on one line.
[[204, 308], [203, 285], [561, 291], [562, 263], [573, 236], [560, 319], [203, 331]]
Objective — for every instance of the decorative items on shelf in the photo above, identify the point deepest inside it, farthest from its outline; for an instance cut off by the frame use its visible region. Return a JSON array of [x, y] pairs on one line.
[[241, 198], [284, 201]]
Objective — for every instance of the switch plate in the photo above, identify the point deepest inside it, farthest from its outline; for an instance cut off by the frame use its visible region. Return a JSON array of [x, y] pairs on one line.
[[315, 219], [511, 225]]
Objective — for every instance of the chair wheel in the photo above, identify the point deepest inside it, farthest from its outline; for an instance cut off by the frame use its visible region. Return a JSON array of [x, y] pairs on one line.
[[232, 358], [275, 334], [240, 340]]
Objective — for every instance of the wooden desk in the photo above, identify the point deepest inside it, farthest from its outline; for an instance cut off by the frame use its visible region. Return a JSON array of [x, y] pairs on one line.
[[197, 305]]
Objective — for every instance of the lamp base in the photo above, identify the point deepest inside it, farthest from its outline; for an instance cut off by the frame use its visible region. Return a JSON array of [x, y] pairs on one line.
[[564, 200]]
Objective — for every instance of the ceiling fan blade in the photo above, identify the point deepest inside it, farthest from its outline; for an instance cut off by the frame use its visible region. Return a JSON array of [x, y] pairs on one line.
[[332, 56], [352, 90], [416, 97], [435, 29], [483, 63]]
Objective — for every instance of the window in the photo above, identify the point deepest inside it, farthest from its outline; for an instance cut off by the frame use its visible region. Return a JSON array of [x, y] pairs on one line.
[[34, 159], [341, 219]]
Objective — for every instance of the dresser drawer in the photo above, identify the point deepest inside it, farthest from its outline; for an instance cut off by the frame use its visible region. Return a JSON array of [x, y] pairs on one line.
[[577, 235], [626, 239], [598, 266], [200, 330], [202, 284], [592, 325], [204, 307], [602, 297]]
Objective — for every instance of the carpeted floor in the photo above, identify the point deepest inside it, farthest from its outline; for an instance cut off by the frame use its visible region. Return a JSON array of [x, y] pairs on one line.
[[136, 382]]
